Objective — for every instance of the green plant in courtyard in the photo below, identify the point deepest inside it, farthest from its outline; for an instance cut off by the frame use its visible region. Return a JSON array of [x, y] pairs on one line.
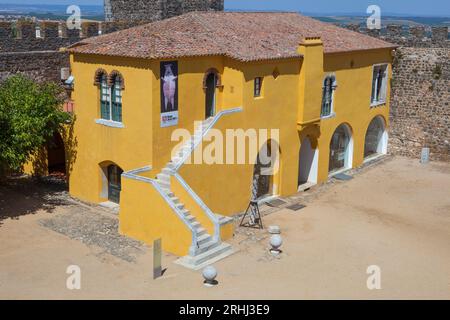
[[30, 113]]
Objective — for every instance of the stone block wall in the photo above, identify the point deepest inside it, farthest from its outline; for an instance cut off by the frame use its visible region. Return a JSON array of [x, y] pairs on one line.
[[420, 111], [38, 65], [141, 11], [21, 51]]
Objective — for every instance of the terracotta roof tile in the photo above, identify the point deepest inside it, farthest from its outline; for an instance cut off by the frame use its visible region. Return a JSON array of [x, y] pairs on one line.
[[245, 36]]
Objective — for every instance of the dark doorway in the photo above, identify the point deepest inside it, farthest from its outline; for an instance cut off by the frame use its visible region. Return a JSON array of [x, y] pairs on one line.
[[114, 183], [210, 104], [56, 155]]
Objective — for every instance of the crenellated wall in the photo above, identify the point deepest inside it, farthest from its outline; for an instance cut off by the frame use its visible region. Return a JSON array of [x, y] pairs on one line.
[[420, 114], [141, 11], [23, 51], [420, 98]]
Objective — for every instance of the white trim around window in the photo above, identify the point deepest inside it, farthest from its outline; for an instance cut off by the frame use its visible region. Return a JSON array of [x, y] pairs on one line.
[[109, 123], [380, 76], [330, 111]]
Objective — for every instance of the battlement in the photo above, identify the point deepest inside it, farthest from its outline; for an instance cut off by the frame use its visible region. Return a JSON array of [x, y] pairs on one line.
[[414, 36], [152, 10], [24, 36]]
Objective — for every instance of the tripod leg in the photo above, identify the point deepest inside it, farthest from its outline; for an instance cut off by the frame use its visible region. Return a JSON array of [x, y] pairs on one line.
[[260, 218], [245, 214]]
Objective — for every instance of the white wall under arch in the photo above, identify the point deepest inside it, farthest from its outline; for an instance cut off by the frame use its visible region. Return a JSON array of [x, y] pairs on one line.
[[383, 136], [348, 160], [308, 162]]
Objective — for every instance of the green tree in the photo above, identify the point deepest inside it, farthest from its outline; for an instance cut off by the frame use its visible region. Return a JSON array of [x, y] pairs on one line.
[[30, 113]]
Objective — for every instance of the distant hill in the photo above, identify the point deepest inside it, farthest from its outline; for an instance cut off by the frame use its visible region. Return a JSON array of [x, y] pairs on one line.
[[95, 12], [50, 11], [402, 20]]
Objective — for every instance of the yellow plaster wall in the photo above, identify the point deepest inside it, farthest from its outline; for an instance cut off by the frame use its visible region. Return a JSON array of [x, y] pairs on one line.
[[129, 147], [146, 216], [226, 188], [191, 205], [353, 73], [191, 103], [293, 96]]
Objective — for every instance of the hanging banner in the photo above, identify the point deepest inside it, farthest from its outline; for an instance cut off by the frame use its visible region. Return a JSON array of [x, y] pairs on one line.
[[169, 93]]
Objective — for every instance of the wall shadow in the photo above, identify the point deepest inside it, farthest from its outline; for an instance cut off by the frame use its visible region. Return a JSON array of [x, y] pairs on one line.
[[24, 195]]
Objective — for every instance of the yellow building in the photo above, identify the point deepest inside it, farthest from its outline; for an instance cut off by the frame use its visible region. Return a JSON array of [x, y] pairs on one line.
[[320, 94]]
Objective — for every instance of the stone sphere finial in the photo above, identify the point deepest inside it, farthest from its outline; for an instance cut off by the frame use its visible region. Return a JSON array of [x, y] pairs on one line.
[[275, 242], [209, 274]]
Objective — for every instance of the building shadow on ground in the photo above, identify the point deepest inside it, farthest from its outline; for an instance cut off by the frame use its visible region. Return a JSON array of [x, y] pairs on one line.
[[23, 195]]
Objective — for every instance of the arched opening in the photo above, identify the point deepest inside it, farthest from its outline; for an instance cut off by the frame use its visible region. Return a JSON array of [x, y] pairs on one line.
[[308, 163], [56, 154], [266, 171], [111, 182], [376, 138], [341, 149], [210, 96]]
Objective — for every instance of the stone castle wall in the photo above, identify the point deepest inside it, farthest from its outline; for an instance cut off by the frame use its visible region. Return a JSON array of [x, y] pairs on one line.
[[138, 11], [420, 111], [21, 51]]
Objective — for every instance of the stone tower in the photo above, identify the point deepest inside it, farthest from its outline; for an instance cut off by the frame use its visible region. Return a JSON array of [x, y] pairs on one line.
[[140, 11]]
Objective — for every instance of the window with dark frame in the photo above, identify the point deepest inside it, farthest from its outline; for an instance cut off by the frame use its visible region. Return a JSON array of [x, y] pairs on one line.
[[329, 85], [111, 99], [257, 87], [379, 84]]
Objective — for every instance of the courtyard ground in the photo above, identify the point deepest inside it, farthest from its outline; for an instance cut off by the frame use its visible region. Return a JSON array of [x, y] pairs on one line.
[[395, 214]]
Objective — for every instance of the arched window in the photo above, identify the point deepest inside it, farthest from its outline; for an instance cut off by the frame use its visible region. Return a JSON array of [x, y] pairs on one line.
[[116, 98], [329, 85], [110, 94], [379, 84], [105, 98]]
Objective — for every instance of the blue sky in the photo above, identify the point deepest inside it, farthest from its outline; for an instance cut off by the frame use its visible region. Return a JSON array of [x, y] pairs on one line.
[[412, 7]]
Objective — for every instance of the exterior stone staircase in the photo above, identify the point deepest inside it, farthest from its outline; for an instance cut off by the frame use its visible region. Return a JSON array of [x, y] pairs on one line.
[[209, 248]]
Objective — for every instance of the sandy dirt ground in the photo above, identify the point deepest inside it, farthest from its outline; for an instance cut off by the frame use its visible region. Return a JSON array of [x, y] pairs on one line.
[[395, 215]]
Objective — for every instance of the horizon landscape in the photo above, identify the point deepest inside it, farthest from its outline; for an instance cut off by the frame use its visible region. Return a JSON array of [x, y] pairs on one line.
[[95, 12]]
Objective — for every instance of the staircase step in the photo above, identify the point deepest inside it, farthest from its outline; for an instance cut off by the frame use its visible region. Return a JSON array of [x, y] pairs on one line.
[[167, 170], [175, 200], [171, 165], [196, 225], [163, 177], [190, 218], [180, 206], [168, 192], [207, 246], [225, 220], [202, 260], [204, 238], [163, 184], [200, 231]]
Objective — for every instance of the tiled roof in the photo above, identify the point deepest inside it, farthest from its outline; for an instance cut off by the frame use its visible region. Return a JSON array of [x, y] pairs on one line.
[[245, 36]]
